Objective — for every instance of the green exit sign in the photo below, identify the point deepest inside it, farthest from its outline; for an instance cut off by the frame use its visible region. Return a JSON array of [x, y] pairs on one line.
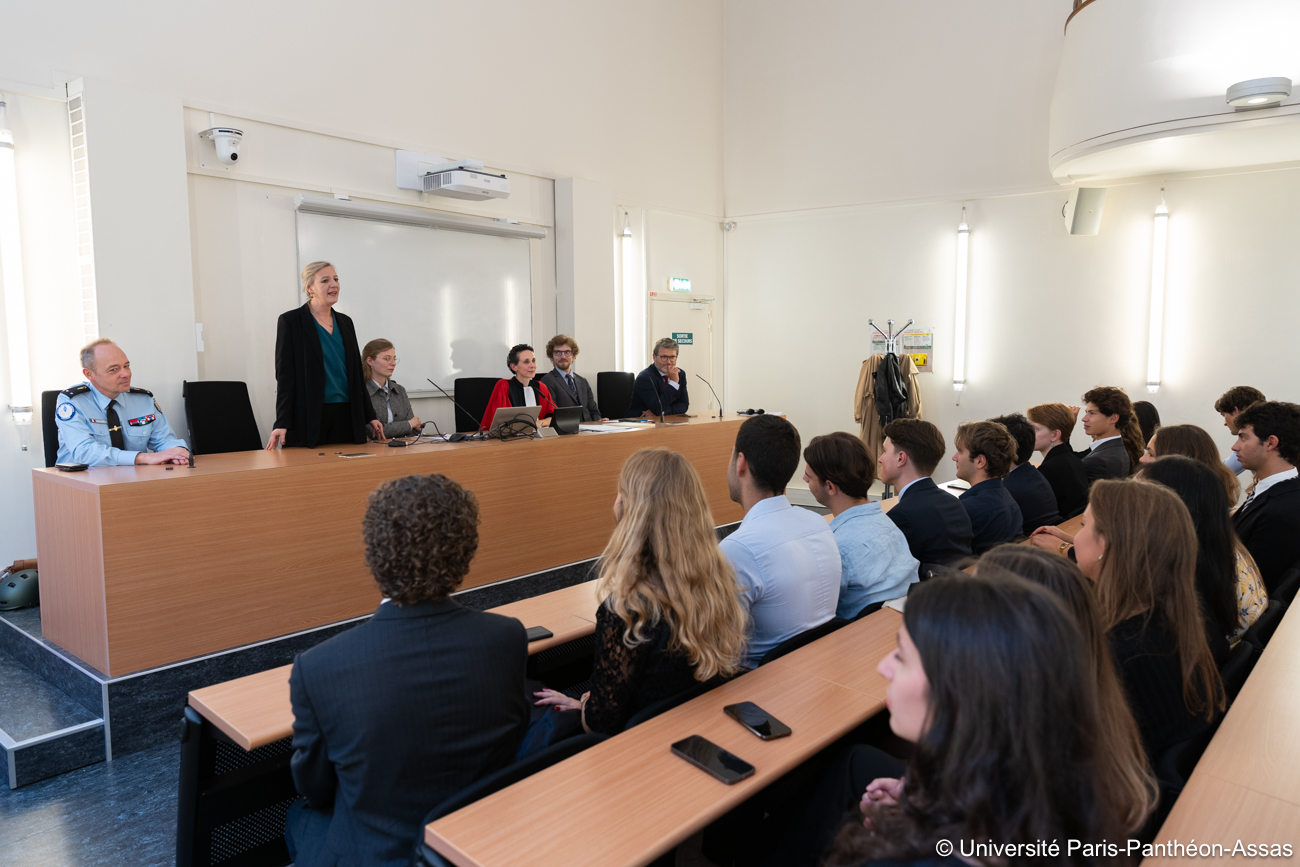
[[679, 284], [684, 338]]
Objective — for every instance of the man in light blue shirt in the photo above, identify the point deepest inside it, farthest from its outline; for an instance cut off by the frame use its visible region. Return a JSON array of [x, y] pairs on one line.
[[876, 563], [786, 560], [104, 422]]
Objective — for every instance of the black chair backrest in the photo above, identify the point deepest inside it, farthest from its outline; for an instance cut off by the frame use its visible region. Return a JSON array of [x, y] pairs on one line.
[[49, 427], [1238, 667], [493, 783], [220, 417], [1266, 625], [614, 392], [1286, 588], [664, 705], [472, 396], [793, 643], [870, 609]]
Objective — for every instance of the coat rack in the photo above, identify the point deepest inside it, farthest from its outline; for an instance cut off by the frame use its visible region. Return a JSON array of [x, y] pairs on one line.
[[891, 336]]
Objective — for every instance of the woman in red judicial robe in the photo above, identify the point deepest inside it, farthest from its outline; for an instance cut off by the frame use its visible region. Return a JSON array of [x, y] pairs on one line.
[[521, 389]]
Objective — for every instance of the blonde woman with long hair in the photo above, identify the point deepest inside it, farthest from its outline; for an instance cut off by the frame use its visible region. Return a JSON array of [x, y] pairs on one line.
[[670, 613]]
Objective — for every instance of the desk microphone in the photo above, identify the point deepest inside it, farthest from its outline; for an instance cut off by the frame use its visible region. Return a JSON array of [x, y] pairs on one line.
[[715, 394], [191, 451], [457, 436], [658, 397]]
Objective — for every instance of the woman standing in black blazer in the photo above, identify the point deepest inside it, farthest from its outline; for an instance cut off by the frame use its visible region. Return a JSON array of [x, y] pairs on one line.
[[320, 392]]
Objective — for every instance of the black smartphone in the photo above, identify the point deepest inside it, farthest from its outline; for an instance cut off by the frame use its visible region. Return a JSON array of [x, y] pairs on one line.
[[713, 759], [68, 467], [537, 633], [757, 720]]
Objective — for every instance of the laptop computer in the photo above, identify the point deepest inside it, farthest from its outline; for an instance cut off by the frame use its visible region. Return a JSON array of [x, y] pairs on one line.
[[517, 420], [565, 419]]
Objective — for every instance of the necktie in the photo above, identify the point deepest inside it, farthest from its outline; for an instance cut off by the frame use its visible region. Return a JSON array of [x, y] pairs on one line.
[[115, 427], [1249, 497], [573, 386]]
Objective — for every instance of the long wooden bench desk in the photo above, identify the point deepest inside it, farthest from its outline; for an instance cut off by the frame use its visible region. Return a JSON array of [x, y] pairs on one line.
[[254, 711], [147, 566], [1247, 784], [628, 800]]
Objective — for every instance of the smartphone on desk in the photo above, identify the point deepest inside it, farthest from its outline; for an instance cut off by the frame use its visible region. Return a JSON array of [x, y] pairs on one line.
[[713, 759], [757, 720], [537, 633]]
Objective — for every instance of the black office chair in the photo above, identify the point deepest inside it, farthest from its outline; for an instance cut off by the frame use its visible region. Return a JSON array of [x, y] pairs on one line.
[[869, 610], [790, 645], [1266, 625], [472, 396], [49, 427], [664, 705], [1286, 588], [614, 392], [493, 783], [1240, 664], [220, 417]]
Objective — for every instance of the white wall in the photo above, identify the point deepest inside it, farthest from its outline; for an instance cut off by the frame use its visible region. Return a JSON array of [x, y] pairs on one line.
[[584, 273], [1050, 314]]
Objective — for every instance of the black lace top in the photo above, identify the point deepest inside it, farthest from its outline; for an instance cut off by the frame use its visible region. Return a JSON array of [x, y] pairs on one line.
[[624, 681]]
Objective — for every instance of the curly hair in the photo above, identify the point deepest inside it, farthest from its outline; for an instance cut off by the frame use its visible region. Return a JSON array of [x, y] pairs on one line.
[[421, 533], [561, 340], [1111, 400]]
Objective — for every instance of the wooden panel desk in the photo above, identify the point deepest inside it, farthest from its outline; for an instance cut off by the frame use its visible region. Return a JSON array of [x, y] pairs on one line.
[[255, 710], [144, 566], [629, 799], [1247, 785]]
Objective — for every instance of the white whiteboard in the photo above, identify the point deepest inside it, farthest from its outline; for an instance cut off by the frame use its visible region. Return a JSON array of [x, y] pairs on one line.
[[452, 303]]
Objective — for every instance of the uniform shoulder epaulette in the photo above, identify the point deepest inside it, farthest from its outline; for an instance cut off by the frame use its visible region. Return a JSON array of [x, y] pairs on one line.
[[76, 390], [142, 391]]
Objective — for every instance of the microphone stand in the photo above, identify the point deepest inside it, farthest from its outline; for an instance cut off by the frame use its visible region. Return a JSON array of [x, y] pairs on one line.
[[458, 406], [715, 395], [659, 397]]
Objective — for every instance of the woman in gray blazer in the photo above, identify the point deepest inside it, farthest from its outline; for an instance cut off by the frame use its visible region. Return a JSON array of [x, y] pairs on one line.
[[392, 406]]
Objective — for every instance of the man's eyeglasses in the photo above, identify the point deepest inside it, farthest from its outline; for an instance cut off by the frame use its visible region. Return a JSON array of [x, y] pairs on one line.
[[561, 352]]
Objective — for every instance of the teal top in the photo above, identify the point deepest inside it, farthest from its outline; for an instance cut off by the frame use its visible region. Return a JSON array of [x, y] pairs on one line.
[[336, 368]]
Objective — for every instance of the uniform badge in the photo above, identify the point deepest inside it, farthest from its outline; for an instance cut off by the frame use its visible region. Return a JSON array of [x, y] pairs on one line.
[[141, 421], [65, 412]]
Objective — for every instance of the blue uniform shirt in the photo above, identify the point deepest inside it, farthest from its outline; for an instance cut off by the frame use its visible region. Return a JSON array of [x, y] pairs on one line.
[[82, 418]]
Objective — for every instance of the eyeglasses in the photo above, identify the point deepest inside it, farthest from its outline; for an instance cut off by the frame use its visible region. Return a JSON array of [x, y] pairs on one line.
[[390, 359], [561, 352]]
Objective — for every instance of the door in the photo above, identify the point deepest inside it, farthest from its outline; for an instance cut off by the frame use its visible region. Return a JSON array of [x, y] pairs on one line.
[[689, 321]]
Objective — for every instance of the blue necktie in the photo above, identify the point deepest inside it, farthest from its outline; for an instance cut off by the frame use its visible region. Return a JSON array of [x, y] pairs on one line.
[[573, 386]]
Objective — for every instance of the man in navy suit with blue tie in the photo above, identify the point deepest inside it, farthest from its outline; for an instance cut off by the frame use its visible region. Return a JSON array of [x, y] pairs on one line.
[[937, 528], [660, 389]]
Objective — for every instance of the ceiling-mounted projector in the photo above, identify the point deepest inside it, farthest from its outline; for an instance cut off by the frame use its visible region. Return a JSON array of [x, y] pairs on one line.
[[465, 179]]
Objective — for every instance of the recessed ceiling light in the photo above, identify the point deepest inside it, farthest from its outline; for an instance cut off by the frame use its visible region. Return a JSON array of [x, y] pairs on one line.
[[1258, 92]]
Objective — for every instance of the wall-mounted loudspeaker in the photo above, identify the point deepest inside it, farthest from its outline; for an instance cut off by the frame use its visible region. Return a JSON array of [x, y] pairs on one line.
[[1082, 210]]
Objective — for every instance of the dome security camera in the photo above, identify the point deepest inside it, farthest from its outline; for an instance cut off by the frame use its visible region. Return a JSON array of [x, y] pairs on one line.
[[226, 141]]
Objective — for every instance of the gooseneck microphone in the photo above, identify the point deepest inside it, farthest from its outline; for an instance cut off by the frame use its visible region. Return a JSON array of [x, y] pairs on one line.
[[660, 398], [715, 394], [455, 437]]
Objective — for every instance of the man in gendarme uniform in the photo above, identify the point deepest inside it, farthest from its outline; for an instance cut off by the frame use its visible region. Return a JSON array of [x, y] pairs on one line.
[[104, 422]]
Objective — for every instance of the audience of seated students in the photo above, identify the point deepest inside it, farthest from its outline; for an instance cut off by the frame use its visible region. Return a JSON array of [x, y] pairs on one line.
[[1193, 442], [522, 389], [1062, 467], [936, 526], [985, 453], [875, 564], [1138, 546], [1117, 442], [786, 559], [1229, 405], [1027, 486], [671, 614], [1148, 418], [1268, 522], [1227, 582], [993, 682], [406, 709]]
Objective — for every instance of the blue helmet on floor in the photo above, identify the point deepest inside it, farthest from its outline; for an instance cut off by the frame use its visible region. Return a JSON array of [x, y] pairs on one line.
[[19, 589]]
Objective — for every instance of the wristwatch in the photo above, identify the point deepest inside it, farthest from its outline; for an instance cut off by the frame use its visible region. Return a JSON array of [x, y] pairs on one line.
[[1065, 546]]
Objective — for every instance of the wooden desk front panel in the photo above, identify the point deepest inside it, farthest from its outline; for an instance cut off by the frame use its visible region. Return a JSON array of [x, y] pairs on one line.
[[254, 545], [68, 539]]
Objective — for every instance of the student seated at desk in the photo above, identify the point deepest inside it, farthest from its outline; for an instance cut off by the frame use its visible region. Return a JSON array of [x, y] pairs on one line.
[[1268, 522], [1196, 443], [670, 615], [1026, 485], [994, 684], [785, 558], [392, 406], [985, 452], [875, 563], [522, 389], [1117, 443], [936, 526], [1061, 466], [405, 710], [1229, 405]]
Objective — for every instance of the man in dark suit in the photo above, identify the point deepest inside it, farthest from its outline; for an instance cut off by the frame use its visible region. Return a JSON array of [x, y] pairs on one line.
[[1268, 522], [985, 451], [568, 388], [1061, 467], [396, 715], [661, 387], [937, 528], [1108, 417], [1032, 493]]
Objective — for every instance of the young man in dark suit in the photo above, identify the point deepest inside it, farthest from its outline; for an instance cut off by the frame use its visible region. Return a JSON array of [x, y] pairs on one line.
[[1032, 493], [937, 528], [985, 452], [1109, 418], [1268, 522], [396, 715], [567, 387], [1062, 467], [661, 387]]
